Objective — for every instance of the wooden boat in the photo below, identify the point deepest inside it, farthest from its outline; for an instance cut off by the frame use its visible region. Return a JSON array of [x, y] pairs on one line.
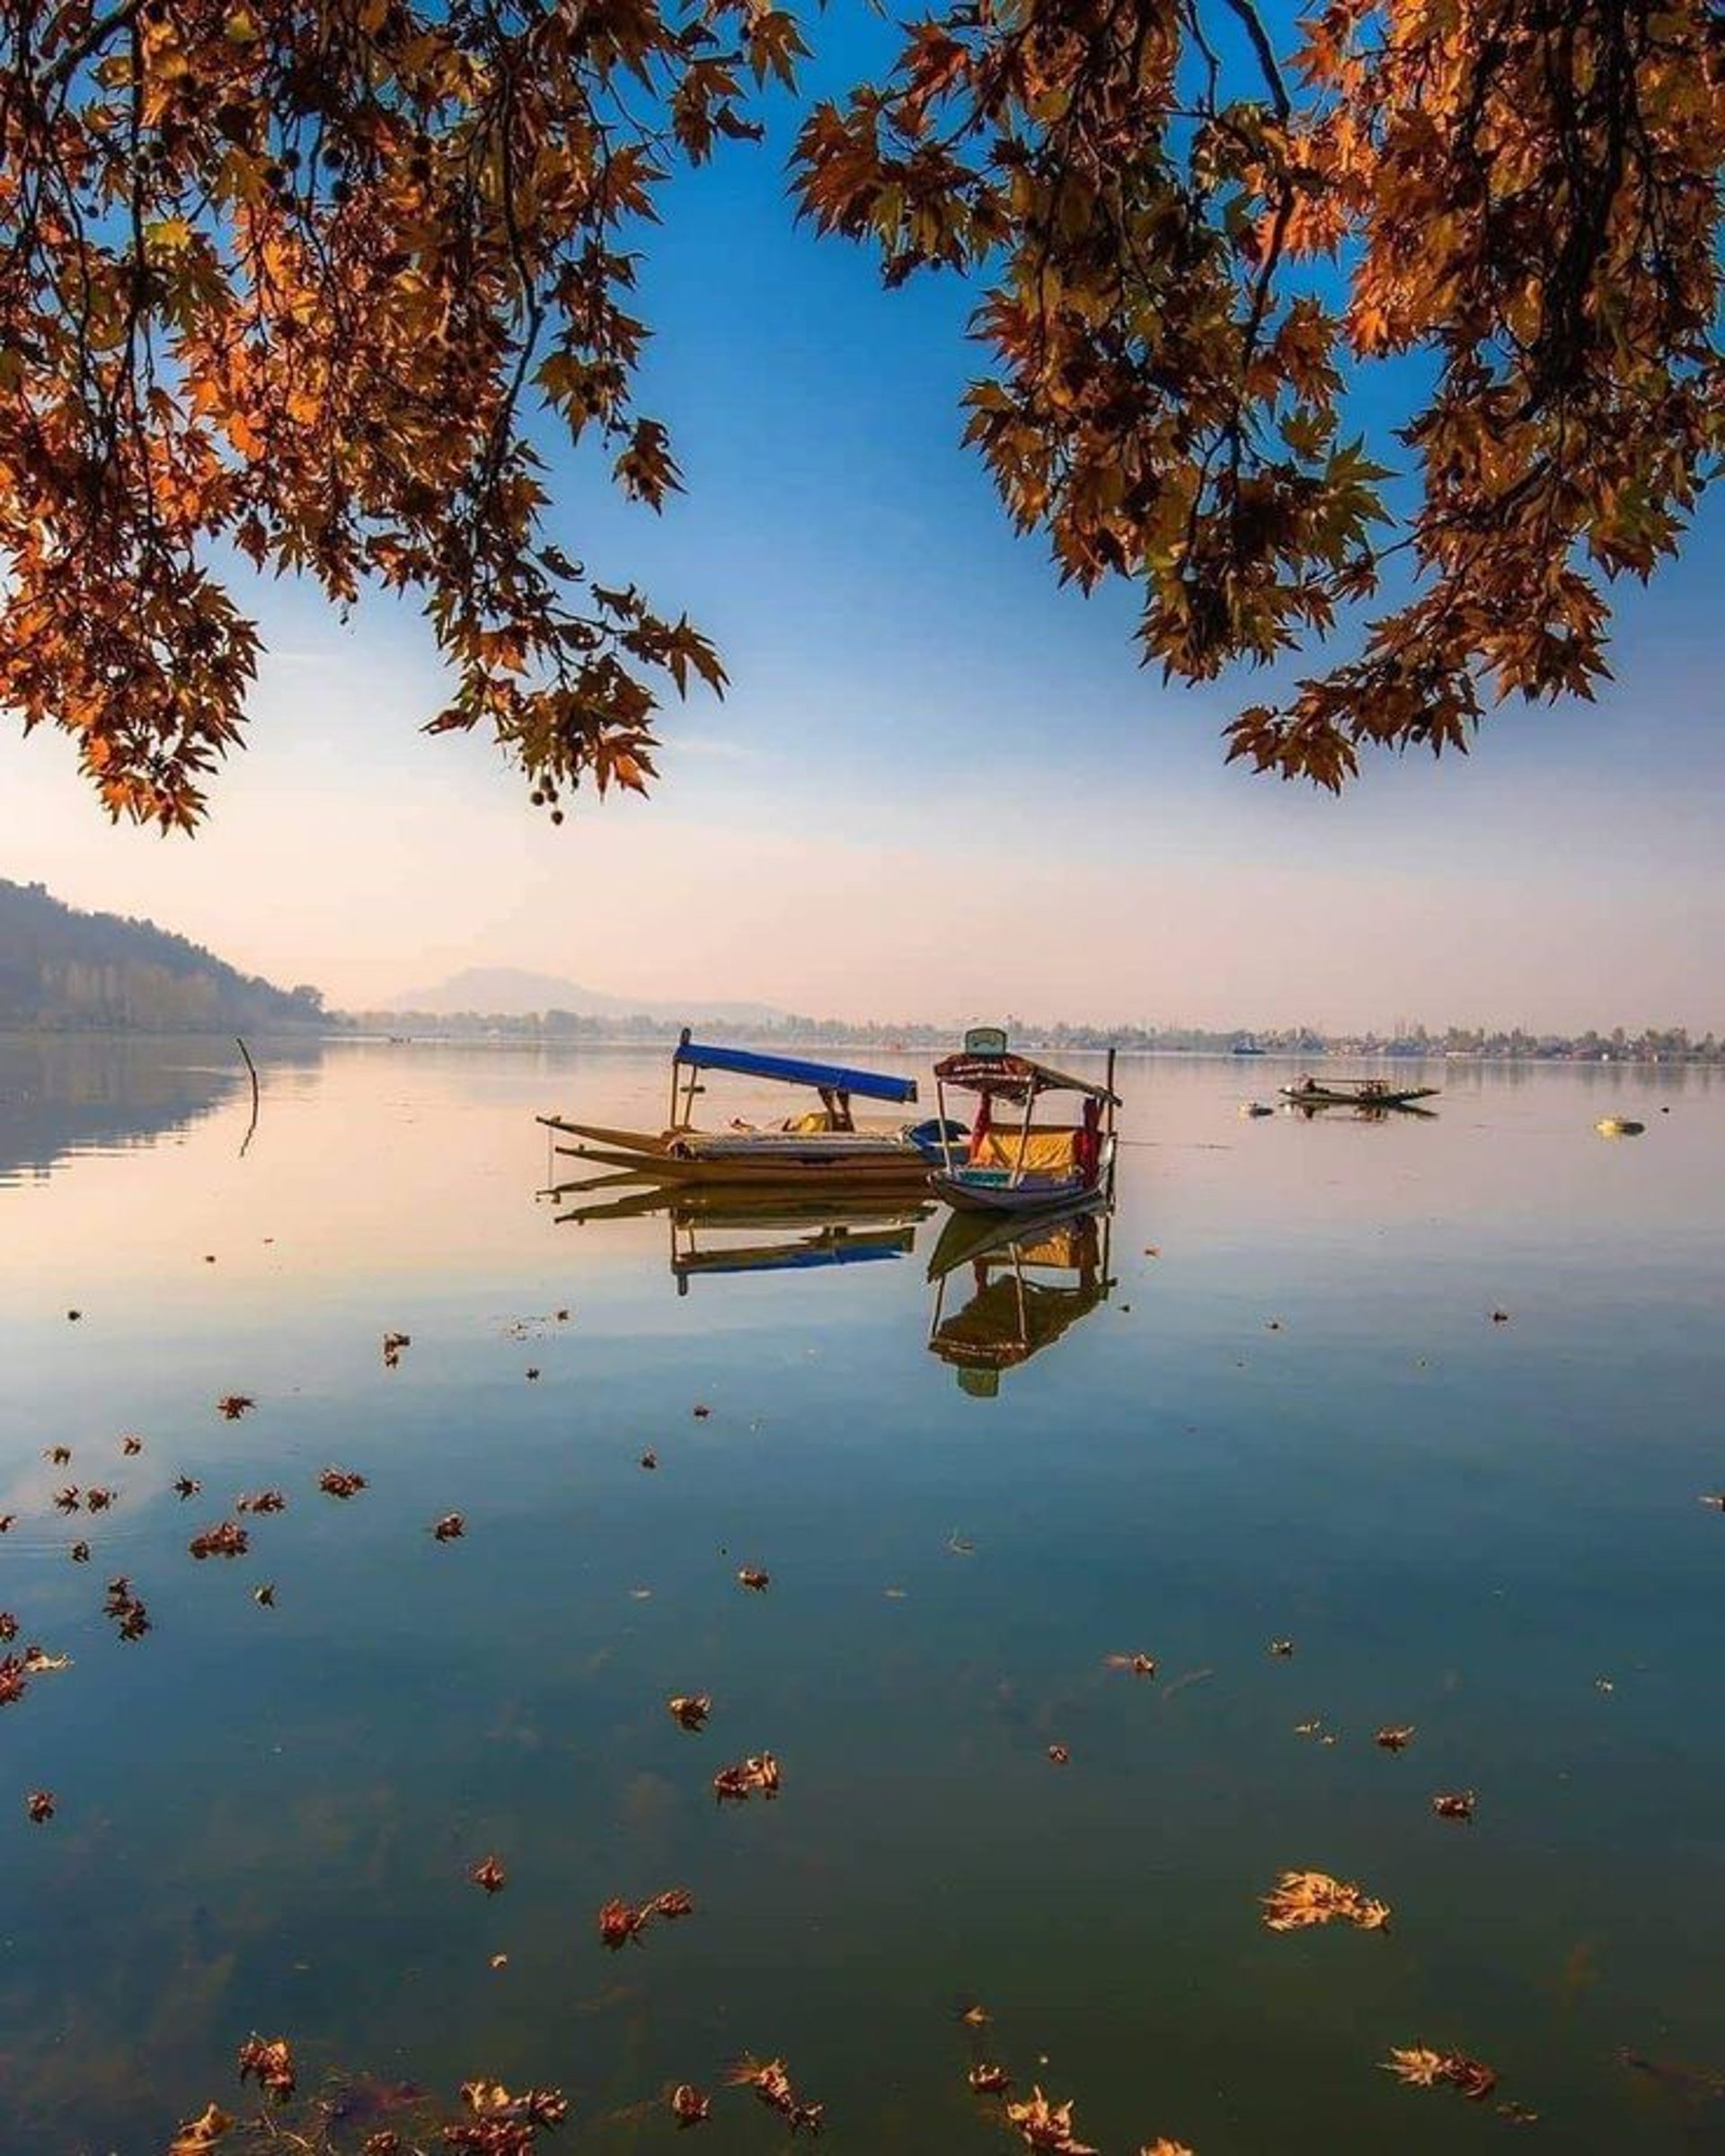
[[824, 1147], [1362, 1092], [1032, 1167], [1619, 1127]]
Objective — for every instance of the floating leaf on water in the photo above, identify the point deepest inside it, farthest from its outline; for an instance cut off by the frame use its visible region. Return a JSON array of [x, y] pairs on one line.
[[489, 1874], [689, 2106], [499, 1961], [689, 1711], [1422, 2068], [700, 1411], [1047, 2128], [80, 1553], [621, 1921], [771, 2081], [1164, 2147], [735, 1784], [7, 1519], [1303, 1899], [1281, 1648], [340, 1482], [39, 1805], [262, 1500], [1717, 1500], [193, 2135], [989, 2081], [228, 1538], [758, 1581], [1499, 1317], [67, 1499], [1059, 1754], [1395, 1736], [961, 1545], [8, 1627], [975, 2016], [265, 1595], [1517, 2115], [39, 1663], [58, 1455], [1458, 1805], [533, 1377], [272, 2062], [233, 1405], [100, 1500], [393, 1343], [649, 1460], [1141, 1665], [450, 1528], [185, 1487], [131, 1446]]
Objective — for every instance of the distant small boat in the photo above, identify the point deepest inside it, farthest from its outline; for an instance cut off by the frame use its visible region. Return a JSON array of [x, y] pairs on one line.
[[1362, 1092], [1619, 1127], [1245, 1047], [1255, 1107]]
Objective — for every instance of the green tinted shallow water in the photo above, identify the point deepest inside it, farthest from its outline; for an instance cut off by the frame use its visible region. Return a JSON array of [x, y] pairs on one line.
[[266, 1816]]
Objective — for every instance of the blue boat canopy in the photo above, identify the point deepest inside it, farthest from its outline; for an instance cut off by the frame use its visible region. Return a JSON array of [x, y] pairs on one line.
[[790, 1070]]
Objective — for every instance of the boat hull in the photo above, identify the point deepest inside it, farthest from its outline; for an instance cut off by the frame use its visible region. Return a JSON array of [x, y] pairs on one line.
[[1330, 1096]]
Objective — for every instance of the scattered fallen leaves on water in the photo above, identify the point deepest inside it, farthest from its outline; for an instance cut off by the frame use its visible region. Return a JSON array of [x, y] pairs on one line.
[[67, 1499], [975, 2016], [1059, 1754], [1457, 1804], [621, 1921], [131, 1446], [39, 1805], [264, 1596], [228, 1538], [1395, 1736], [194, 2134], [80, 1553], [689, 1711], [393, 1343], [771, 2081], [58, 1455], [1046, 2126], [1421, 2068], [1303, 1899], [340, 1482], [1281, 1648], [1141, 1665], [689, 2108], [272, 2062], [532, 2108], [233, 1405], [737, 1783], [758, 1581], [489, 1874], [649, 1460], [989, 2081], [450, 1528], [185, 1487], [262, 1500], [100, 1500]]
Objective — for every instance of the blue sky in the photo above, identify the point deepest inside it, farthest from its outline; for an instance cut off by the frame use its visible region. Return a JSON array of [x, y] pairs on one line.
[[941, 784]]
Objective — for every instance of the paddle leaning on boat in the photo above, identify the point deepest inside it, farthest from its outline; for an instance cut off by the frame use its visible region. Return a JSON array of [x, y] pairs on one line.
[[1022, 1165], [825, 1145]]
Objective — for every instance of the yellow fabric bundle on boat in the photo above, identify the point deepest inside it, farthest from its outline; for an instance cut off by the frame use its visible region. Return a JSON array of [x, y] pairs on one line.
[[1050, 1152]]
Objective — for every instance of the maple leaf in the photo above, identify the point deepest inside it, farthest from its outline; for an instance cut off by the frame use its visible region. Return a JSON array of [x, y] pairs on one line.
[[1396, 1737], [489, 1874], [689, 2106], [193, 2135], [1303, 1898], [39, 1805], [272, 2061], [233, 1405], [1457, 1804], [1047, 2128], [746, 1777], [450, 1528], [690, 1710]]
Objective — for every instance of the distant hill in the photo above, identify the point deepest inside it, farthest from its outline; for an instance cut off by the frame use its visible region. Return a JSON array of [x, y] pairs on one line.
[[506, 992], [62, 968]]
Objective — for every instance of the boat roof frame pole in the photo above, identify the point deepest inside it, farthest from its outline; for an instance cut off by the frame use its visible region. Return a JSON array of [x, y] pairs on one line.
[[1024, 1136]]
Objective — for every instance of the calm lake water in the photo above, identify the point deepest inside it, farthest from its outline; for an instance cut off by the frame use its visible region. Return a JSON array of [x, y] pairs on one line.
[[1292, 1416]]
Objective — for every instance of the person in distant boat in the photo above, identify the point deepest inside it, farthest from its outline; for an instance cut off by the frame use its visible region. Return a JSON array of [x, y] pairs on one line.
[[1308, 1085]]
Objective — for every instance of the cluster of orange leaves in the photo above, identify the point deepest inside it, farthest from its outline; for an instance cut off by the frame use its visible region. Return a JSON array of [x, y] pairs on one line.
[[1300, 1899]]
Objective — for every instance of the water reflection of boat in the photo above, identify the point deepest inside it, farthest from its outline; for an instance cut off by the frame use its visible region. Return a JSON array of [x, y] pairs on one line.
[[825, 1147], [1362, 1111], [1018, 1304], [786, 1233]]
